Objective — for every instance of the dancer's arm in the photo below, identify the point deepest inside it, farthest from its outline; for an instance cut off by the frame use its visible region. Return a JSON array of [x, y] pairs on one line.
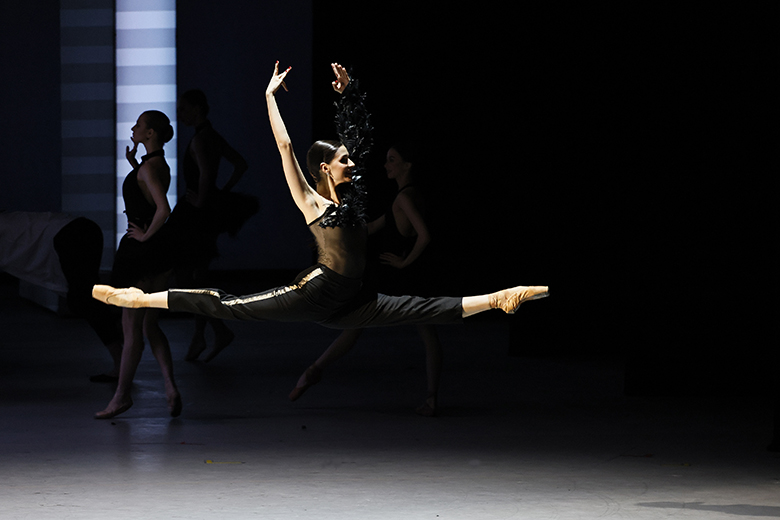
[[149, 177], [376, 225], [238, 162], [353, 121], [304, 195], [417, 221]]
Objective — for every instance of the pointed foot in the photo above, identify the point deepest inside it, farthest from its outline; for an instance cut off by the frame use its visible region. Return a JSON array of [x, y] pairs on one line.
[[509, 300], [113, 411], [310, 377], [131, 298]]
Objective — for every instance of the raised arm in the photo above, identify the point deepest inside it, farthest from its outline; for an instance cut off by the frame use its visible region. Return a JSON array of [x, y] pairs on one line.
[[304, 195]]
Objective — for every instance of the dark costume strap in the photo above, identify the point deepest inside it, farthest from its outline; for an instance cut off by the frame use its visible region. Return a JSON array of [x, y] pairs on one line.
[[353, 124]]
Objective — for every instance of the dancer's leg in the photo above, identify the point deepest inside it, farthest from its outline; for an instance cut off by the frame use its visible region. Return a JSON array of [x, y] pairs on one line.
[[185, 277], [314, 296], [340, 346], [162, 350], [475, 304], [198, 341], [132, 350], [115, 350], [223, 337], [433, 364]]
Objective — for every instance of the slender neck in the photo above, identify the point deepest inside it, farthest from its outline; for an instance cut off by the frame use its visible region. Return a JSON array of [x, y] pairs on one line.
[[152, 146], [327, 189], [403, 180]]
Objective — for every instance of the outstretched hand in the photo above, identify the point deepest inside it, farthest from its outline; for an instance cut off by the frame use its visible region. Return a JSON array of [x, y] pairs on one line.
[[277, 80], [342, 78]]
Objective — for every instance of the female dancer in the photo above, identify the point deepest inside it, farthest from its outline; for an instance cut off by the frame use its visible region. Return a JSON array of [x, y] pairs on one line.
[[200, 216], [144, 258], [331, 292], [406, 237]]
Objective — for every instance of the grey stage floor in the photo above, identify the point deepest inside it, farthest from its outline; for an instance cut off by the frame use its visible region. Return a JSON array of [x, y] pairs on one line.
[[520, 438]]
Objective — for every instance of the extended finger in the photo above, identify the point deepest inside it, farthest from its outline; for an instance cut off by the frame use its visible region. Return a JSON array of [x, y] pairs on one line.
[[284, 75]]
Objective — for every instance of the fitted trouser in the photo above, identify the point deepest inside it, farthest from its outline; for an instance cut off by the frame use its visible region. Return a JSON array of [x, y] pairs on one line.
[[322, 296]]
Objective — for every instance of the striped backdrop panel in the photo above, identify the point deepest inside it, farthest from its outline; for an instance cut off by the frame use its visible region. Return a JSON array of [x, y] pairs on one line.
[[88, 114], [145, 80]]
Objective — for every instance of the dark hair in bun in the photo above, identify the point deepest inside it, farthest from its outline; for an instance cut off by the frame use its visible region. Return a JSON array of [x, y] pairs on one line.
[[160, 123]]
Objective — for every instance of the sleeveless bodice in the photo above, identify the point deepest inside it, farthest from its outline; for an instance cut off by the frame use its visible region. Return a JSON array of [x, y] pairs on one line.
[[139, 211], [341, 248]]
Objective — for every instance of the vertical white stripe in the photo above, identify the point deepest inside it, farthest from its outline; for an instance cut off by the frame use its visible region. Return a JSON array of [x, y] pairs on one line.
[[156, 93]]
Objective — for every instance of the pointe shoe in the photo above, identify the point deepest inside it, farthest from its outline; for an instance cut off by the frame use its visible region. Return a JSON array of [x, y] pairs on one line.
[[106, 414], [509, 300], [130, 297], [313, 376]]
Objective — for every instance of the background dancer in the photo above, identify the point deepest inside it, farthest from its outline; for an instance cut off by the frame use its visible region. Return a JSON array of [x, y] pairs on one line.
[[145, 258], [205, 211]]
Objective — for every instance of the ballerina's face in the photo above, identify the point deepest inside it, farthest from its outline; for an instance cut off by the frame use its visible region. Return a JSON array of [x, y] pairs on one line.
[[186, 113], [340, 168], [395, 165], [140, 130]]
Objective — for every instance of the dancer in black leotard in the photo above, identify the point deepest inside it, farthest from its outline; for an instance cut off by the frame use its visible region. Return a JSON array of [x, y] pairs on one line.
[[205, 211], [145, 258], [405, 236], [330, 293]]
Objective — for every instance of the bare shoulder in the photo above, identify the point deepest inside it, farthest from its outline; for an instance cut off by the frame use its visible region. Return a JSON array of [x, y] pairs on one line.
[[154, 169], [409, 199]]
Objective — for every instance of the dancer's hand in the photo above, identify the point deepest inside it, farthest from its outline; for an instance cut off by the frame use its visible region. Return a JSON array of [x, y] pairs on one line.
[[277, 80], [392, 260], [342, 78], [136, 232], [130, 154]]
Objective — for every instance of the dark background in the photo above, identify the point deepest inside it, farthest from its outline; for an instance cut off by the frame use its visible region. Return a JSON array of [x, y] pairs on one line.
[[608, 151]]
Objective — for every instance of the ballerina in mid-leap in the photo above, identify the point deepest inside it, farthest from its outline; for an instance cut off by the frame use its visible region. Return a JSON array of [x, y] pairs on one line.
[[330, 293]]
